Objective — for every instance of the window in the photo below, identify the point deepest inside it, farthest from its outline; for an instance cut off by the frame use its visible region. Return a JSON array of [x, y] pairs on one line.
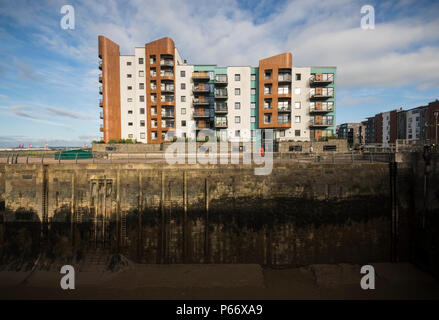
[[152, 59], [237, 92], [268, 74], [140, 60], [142, 110], [182, 73], [297, 133], [252, 119], [130, 111], [183, 123], [153, 111], [253, 77], [142, 98], [297, 105], [253, 105], [142, 123], [183, 98], [183, 110], [152, 72], [130, 136], [267, 118], [183, 86], [129, 87], [297, 119], [128, 63], [298, 77], [237, 77], [129, 75], [237, 133], [130, 124], [295, 148], [141, 86], [142, 135], [130, 99], [330, 148], [283, 89], [237, 119], [297, 91], [237, 105], [141, 73], [282, 133], [253, 91]]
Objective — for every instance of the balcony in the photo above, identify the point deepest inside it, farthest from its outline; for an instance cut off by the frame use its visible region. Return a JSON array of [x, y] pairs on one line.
[[101, 115], [321, 122], [100, 65], [101, 129], [284, 108], [321, 93], [316, 107], [168, 114], [202, 125], [220, 94], [166, 74], [200, 102], [220, 107], [201, 113], [100, 78], [221, 79], [167, 63], [321, 78], [220, 123], [168, 124], [200, 75], [200, 89], [100, 90], [167, 88], [101, 103], [167, 99], [284, 77]]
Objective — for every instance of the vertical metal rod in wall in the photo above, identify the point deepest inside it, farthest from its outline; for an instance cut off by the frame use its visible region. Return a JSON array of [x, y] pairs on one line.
[[206, 224], [139, 218], [118, 219], [59, 157], [42, 158], [394, 212], [76, 158], [104, 213], [7, 160], [72, 213], [162, 218], [27, 159], [185, 234]]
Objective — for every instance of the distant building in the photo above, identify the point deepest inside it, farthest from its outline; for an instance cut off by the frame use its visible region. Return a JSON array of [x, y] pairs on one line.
[[352, 131], [370, 130], [433, 122]]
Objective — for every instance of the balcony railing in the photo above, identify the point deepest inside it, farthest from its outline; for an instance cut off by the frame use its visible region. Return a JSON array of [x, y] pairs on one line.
[[322, 122], [202, 125], [100, 90], [167, 88], [220, 107], [283, 120], [166, 74], [221, 94], [221, 123], [154, 99], [267, 91], [167, 63], [321, 107], [201, 114], [221, 79], [282, 108], [100, 64], [101, 128], [168, 114], [200, 75], [321, 93], [101, 103], [284, 77], [101, 115], [200, 102], [168, 124], [100, 77], [321, 78], [167, 99], [201, 89]]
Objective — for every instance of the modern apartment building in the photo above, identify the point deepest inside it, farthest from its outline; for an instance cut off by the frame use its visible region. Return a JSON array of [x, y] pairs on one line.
[[155, 95], [353, 132]]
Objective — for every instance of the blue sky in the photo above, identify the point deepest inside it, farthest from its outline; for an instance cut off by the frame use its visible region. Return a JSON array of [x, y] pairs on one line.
[[49, 76]]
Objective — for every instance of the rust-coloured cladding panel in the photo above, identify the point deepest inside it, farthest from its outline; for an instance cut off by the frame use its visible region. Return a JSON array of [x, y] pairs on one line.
[[281, 61], [393, 126], [378, 123], [109, 53], [158, 47]]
